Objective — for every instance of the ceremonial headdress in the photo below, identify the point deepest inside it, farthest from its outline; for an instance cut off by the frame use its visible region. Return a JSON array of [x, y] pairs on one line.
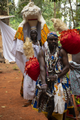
[[32, 17]]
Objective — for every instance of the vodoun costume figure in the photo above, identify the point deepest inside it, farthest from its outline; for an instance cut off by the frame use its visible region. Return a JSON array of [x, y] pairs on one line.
[[31, 18], [52, 94]]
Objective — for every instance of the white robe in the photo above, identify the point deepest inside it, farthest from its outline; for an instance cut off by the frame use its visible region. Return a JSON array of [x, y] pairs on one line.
[[13, 51], [28, 84]]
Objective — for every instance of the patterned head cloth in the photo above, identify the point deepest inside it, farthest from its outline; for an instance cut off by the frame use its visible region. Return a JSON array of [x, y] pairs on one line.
[[52, 34]]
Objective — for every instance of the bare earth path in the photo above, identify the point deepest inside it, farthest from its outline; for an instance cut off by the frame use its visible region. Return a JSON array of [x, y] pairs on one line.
[[10, 100]]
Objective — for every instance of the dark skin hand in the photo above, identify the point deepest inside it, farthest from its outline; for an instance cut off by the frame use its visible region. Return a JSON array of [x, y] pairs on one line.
[[65, 69]]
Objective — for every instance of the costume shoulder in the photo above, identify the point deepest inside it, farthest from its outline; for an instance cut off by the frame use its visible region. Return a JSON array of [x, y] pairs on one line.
[[44, 32], [19, 33]]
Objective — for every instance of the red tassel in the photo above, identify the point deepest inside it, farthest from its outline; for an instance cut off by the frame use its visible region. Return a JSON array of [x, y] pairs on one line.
[[32, 68]]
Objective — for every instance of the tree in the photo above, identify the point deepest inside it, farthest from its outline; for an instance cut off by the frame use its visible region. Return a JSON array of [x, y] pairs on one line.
[[54, 9], [3, 5]]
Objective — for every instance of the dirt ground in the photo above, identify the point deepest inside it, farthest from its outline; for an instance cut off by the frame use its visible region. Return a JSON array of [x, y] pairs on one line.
[[10, 100]]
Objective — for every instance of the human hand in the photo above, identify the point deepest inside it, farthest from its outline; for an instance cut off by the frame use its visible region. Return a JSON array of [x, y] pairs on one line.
[[71, 66], [53, 78], [44, 87]]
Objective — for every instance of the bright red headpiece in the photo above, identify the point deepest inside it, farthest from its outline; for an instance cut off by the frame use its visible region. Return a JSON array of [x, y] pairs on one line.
[[70, 40], [32, 68]]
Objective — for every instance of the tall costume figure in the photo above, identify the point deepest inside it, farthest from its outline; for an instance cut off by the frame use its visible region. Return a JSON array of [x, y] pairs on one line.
[[32, 20]]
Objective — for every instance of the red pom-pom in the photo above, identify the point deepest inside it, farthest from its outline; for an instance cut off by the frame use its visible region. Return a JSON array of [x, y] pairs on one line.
[[32, 68], [70, 41]]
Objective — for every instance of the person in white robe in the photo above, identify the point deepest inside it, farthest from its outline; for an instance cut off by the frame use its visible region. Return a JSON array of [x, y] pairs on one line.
[[31, 17]]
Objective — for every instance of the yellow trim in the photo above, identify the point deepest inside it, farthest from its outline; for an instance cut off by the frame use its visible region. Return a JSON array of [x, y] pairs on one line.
[[44, 33], [71, 107], [53, 112], [19, 34]]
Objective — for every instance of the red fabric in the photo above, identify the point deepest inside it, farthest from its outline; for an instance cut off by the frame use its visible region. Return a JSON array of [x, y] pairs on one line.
[[70, 41], [32, 68]]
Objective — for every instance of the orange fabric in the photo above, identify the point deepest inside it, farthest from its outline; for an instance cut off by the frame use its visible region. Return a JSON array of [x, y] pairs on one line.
[[19, 34], [44, 33]]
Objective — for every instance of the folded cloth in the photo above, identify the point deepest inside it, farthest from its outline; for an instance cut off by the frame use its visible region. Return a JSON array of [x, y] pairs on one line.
[[75, 78]]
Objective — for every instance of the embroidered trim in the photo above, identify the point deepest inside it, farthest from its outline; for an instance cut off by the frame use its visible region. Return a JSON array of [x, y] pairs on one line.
[[19, 34], [44, 33]]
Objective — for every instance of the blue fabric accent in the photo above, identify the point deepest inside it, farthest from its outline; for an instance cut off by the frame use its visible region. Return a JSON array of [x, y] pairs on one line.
[[36, 91], [59, 46], [63, 86], [52, 57], [60, 57], [56, 67], [35, 104], [58, 80], [65, 106], [52, 34], [36, 82]]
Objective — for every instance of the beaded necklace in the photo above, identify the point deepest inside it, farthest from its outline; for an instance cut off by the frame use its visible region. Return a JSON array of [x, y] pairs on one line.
[[53, 63]]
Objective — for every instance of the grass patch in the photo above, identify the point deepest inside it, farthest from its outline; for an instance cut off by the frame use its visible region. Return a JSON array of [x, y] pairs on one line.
[[15, 68]]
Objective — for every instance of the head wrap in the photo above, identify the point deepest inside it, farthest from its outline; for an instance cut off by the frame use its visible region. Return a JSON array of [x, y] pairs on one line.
[[52, 34]]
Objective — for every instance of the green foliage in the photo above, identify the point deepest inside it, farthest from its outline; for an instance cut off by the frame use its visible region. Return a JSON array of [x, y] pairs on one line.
[[3, 5], [15, 21], [47, 8], [21, 5], [46, 12], [11, 6], [52, 0]]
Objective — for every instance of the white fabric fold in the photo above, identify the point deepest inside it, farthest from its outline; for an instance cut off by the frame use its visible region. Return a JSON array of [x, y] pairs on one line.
[[8, 34]]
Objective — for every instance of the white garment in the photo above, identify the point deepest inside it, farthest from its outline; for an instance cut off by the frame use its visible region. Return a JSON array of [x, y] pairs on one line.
[[17, 51], [13, 51], [28, 87], [8, 34], [59, 99], [28, 84], [45, 46]]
